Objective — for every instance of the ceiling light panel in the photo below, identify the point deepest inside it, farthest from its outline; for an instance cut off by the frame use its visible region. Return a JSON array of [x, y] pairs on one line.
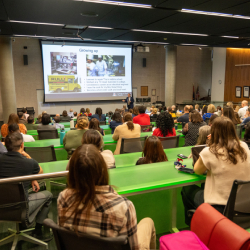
[[39, 23], [168, 32]]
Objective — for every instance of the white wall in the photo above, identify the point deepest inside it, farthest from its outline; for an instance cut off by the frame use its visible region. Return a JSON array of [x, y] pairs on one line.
[[218, 74]]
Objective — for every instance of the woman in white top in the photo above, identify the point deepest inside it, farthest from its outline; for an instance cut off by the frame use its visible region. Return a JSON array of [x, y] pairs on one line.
[[225, 160]]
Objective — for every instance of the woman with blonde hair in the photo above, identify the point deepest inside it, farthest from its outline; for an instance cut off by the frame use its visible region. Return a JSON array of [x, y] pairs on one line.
[[210, 111], [88, 112], [73, 138], [127, 130]]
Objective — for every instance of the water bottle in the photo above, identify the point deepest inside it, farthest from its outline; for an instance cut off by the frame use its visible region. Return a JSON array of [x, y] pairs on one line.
[[107, 120], [72, 123], [62, 134]]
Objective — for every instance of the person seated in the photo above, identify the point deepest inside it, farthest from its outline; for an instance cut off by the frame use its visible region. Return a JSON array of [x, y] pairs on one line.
[[164, 109], [13, 118], [15, 128], [229, 112], [46, 123], [191, 129], [16, 162], [65, 117], [31, 123], [2, 148], [197, 107], [127, 130], [219, 111], [211, 120], [185, 116], [152, 152], [142, 118], [72, 138], [210, 112], [26, 115], [171, 113], [154, 113], [70, 113], [247, 134], [75, 114], [173, 109], [230, 104], [225, 159], [39, 119], [237, 108], [237, 118], [99, 115], [21, 118], [83, 213], [93, 137], [135, 112], [164, 126], [242, 111], [116, 121], [204, 133], [88, 112], [130, 111], [57, 124], [247, 117], [124, 107], [204, 110], [95, 124]]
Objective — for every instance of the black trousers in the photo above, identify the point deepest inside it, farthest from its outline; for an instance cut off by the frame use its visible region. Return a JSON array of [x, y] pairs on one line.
[[193, 197]]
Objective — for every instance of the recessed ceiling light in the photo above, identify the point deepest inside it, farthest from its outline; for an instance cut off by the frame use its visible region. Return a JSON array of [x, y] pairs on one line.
[[75, 27], [208, 13], [165, 39], [89, 14], [190, 44], [234, 37], [96, 27]]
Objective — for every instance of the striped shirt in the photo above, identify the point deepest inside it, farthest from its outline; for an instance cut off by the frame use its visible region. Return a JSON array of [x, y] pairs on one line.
[[111, 215]]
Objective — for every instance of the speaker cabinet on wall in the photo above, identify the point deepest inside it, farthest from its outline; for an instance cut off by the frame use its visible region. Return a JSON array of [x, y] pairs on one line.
[[144, 62], [25, 59]]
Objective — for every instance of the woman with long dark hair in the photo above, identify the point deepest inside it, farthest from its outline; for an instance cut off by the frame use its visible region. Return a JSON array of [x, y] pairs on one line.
[[89, 202], [127, 130], [165, 125], [95, 124], [229, 112], [99, 115], [225, 159], [153, 151], [116, 121]]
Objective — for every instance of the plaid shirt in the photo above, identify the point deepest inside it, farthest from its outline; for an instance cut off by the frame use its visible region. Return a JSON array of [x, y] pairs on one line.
[[111, 215]]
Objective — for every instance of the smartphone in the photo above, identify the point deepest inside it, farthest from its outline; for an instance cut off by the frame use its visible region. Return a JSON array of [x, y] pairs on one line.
[[182, 156], [186, 170]]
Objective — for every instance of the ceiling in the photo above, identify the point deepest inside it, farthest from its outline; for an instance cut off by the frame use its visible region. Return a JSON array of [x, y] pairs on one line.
[[164, 17]]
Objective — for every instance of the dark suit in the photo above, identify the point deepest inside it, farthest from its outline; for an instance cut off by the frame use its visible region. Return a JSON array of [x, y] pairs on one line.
[[131, 102]]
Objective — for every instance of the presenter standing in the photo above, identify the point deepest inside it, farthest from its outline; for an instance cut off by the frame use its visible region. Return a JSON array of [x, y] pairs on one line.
[[101, 66], [130, 101]]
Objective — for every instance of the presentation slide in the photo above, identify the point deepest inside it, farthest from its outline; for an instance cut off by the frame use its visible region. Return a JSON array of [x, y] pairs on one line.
[[86, 72]]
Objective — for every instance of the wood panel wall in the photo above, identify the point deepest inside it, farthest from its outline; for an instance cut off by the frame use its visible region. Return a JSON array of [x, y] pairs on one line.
[[236, 75]]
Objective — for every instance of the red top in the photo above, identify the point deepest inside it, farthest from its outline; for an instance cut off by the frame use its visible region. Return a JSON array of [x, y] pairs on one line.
[[142, 119], [157, 132]]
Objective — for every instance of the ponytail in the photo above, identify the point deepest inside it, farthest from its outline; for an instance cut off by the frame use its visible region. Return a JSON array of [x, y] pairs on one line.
[[130, 125]]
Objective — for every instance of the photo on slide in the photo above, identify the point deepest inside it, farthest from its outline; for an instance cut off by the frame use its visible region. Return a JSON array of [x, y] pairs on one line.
[[105, 65], [63, 83], [63, 63]]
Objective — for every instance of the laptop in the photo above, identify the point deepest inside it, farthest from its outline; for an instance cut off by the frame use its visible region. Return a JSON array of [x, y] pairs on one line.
[[196, 152]]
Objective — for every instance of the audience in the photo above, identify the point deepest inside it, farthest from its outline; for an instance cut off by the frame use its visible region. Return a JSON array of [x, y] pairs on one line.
[[237, 118], [135, 111], [15, 128], [211, 120], [22, 118], [46, 123], [229, 112], [2, 148], [116, 121], [164, 126], [204, 110], [154, 113], [13, 118], [70, 113], [16, 162], [82, 111], [225, 160], [99, 115], [39, 119], [26, 115], [142, 118], [95, 124], [242, 111], [197, 107], [72, 138], [57, 124], [191, 129], [152, 152], [247, 117], [79, 212], [204, 132], [88, 112], [31, 123], [230, 104], [173, 109], [219, 111], [210, 111], [130, 111], [65, 117], [75, 114], [247, 134], [237, 108], [185, 116], [127, 130]]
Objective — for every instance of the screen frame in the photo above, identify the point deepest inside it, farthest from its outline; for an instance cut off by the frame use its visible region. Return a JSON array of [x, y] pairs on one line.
[[82, 42]]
